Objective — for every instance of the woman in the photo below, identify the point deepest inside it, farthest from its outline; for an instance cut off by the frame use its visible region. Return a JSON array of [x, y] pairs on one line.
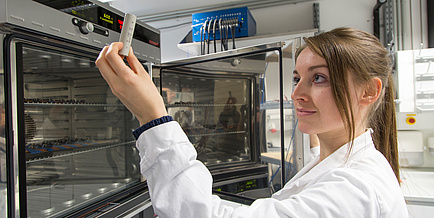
[[343, 93]]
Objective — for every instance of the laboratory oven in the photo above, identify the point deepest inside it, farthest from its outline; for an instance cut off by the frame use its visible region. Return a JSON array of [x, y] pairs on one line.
[[66, 142]]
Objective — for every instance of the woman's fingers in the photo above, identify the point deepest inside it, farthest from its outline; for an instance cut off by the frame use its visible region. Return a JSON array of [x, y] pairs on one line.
[[104, 67], [132, 86], [135, 64], [115, 60]]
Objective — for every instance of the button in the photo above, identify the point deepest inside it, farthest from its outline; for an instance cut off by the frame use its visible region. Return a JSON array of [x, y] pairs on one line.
[[410, 120], [75, 21]]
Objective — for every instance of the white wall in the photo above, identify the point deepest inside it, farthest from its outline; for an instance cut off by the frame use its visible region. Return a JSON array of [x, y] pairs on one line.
[[280, 19], [349, 13]]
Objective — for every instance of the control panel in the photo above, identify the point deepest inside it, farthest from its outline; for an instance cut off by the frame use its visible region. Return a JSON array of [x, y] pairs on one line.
[[87, 27], [90, 17]]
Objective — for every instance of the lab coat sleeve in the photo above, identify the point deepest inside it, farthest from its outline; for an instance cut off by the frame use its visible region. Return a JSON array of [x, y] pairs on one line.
[[180, 185]]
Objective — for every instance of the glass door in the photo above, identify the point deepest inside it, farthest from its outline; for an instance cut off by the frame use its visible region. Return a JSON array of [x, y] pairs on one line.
[[74, 136], [233, 107], [214, 112], [3, 150]]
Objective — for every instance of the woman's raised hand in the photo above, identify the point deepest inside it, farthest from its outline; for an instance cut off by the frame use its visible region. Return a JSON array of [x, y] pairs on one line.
[[133, 86]]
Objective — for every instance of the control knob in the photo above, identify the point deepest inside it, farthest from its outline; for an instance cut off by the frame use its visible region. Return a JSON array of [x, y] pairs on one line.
[[86, 27]]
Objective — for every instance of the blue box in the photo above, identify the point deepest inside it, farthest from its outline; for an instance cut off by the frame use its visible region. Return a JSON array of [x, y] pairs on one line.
[[246, 27]]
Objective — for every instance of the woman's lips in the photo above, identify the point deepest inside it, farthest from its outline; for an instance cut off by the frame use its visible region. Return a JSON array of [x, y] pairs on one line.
[[301, 112]]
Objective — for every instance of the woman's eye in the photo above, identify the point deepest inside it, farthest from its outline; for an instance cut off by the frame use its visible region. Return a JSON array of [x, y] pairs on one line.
[[319, 79], [295, 81]]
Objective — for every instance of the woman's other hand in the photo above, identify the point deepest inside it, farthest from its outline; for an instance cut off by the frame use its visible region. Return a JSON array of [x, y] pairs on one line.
[[133, 86]]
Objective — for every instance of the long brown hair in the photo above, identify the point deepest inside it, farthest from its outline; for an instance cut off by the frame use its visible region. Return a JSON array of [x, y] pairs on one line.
[[348, 50]]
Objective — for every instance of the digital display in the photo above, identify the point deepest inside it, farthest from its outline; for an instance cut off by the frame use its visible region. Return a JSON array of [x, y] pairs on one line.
[[91, 12], [120, 23], [107, 19]]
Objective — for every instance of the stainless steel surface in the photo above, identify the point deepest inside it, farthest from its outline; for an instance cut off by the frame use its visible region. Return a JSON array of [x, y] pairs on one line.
[[246, 65], [32, 15], [15, 133]]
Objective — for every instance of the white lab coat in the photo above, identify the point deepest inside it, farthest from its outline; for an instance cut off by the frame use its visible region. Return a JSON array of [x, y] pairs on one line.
[[361, 185]]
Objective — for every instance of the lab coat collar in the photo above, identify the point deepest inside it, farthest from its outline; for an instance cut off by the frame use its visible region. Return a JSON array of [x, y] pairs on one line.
[[337, 159]]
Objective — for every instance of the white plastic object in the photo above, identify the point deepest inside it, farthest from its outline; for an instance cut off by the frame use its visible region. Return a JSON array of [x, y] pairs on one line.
[[410, 147], [431, 145], [127, 33]]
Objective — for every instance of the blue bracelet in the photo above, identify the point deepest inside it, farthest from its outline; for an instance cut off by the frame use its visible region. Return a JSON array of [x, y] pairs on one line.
[[151, 124]]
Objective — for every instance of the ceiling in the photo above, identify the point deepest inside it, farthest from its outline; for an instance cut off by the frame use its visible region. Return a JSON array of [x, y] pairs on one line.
[[148, 7], [148, 11]]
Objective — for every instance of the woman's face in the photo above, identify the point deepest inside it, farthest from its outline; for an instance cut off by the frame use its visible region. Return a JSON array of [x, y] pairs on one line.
[[313, 99]]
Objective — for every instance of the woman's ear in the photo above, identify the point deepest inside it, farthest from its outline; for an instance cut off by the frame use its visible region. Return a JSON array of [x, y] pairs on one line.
[[372, 92]]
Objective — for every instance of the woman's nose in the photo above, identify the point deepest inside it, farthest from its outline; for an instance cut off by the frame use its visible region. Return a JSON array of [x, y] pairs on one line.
[[299, 93]]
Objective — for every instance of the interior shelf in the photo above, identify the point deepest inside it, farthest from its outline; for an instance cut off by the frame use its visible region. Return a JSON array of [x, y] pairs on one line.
[[36, 153], [74, 105], [276, 105], [210, 132], [201, 105]]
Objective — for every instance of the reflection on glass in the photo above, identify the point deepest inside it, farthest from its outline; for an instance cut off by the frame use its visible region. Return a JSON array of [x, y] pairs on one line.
[[76, 143], [213, 112], [3, 188]]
